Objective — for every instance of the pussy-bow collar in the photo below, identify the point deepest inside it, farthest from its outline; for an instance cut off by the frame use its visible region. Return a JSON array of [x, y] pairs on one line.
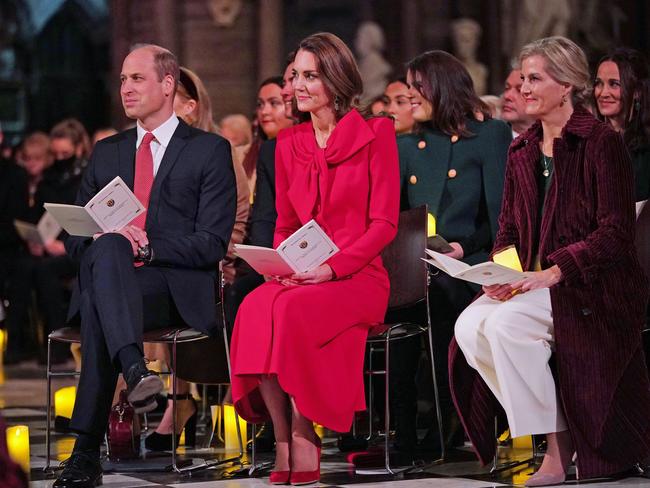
[[308, 186]]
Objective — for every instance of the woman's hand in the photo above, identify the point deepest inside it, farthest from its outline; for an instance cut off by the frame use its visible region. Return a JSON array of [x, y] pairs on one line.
[[457, 253], [499, 292], [535, 280], [319, 275]]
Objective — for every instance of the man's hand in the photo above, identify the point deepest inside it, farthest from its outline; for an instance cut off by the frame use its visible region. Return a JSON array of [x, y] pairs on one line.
[[55, 248], [136, 236], [319, 275]]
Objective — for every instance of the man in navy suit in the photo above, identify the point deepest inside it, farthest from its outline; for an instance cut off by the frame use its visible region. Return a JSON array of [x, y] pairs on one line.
[[157, 274]]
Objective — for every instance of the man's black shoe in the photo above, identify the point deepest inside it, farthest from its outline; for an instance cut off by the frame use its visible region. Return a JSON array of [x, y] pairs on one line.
[[142, 386], [82, 470]]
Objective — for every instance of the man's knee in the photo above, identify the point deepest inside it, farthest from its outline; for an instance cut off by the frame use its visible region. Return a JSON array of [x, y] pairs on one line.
[[108, 247]]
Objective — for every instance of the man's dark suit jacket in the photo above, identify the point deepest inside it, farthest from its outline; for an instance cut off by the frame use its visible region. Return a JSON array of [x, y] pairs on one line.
[[190, 215]]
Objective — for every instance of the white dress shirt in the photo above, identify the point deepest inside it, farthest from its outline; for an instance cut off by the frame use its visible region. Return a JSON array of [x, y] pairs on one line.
[[162, 135]]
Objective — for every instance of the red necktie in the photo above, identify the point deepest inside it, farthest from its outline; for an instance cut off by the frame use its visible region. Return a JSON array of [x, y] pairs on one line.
[[143, 177]]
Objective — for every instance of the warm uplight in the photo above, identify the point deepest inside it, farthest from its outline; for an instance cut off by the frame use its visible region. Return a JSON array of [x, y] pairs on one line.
[[18, 445], [64, 401], [230, 427]]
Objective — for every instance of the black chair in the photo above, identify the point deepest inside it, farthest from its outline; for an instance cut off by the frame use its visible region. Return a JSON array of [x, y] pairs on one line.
[[183, 361], [409, 284]]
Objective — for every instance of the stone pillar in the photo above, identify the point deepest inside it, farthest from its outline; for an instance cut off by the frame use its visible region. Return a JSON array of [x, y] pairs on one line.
[[410, 30], [270, 49], [120, 42], [167, 25]]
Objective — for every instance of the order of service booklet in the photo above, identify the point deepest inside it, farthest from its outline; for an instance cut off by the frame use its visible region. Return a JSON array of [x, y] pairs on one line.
[[45, 231], [488, 273], [302, 251], [113, 207]]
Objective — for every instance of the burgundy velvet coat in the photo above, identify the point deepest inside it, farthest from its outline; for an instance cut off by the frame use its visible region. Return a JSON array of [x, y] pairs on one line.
[[598, 309]]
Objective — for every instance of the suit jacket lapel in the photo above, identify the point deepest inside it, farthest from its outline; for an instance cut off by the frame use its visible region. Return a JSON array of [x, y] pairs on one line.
[[126, 157], [176, 144]]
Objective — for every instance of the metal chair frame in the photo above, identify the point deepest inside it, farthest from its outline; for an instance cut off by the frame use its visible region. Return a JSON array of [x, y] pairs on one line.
[[176, 336], [381, 343]]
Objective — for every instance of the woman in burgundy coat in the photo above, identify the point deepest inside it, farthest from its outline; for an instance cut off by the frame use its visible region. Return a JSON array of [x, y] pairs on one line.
[[299, 341], [568, 208]]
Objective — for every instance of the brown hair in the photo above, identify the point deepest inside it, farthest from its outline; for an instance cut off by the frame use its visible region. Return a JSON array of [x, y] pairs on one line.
[[191, 87], [164, 61], [566, 63], [340, 74], [75, 132], [634, 74], [446, 84]]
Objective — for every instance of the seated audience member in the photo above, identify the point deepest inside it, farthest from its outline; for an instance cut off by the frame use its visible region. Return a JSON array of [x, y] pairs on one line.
[[494, 104], [17, 188], [102, 133], [568, 208], [270, 118], [263, 214], [513, 105], [159, 269], [192, 104], [454, 164], [377, 106], [239, 132], [622, 96], [398, 106], [297, 348]]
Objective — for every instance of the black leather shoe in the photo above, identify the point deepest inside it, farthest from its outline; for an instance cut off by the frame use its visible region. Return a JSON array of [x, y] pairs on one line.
[[142, 386], [82, 470]]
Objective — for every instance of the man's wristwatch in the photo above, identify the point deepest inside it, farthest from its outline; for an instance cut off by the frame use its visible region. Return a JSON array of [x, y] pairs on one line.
[[145, 254]]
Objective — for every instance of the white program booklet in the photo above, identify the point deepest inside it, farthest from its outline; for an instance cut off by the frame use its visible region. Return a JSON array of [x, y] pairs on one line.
[[302, 251], [113, 207], [488, 273], [45, 231]]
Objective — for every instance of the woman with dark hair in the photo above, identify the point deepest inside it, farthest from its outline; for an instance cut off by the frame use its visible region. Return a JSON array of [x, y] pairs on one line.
[[270, 118], [622, 97], [454, 163], [299, 340], [568, 209]]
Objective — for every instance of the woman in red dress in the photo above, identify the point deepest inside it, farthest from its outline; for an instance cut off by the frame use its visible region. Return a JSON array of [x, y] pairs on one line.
[[299, 340]]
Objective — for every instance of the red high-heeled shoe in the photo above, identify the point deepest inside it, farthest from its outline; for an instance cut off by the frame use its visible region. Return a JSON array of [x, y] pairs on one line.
[[307, 477], [280, 477]]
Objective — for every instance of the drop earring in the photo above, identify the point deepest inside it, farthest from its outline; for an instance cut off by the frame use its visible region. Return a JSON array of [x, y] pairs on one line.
[[337, 103]]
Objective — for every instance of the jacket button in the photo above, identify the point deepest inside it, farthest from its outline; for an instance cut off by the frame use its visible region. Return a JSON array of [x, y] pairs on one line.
[[413, 179], [422, 144], [585, 311], [562, 240], [525, 142]]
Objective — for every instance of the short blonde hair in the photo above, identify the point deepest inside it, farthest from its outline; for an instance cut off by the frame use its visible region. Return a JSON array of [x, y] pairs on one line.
[[566, 63]]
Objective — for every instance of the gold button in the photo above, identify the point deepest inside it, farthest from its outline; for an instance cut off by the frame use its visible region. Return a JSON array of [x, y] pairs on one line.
[[451, 173], [454, 139], [422, 144], [413, 179]]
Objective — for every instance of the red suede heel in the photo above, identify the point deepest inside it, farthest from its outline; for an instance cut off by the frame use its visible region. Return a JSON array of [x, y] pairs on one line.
[[307, 477], [280, 477]]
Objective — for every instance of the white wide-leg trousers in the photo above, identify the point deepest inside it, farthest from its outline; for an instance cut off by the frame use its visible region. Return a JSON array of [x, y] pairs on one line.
[[509, 344]]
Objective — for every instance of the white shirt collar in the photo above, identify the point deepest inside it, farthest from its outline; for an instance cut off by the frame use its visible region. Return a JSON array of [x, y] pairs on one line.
[[163, 133]]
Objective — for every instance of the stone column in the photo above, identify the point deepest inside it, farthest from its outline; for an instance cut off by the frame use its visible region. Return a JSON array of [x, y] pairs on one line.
[[270, 50], [168, 25], [410, 29]]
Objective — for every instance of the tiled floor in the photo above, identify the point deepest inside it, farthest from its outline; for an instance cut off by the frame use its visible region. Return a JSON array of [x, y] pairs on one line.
[[22, 399]]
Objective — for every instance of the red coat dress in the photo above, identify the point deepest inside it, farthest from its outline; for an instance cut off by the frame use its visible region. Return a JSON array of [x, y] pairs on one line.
[[313, 336], [598, 309]]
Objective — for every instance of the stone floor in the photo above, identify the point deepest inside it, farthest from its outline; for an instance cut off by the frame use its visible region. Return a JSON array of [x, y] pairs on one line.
[[23, 398]]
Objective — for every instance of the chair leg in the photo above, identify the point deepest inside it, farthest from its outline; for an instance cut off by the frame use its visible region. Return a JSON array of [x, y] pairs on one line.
[[49, 405], [371, 399], [174, 386], [436, 393], [387, 405]]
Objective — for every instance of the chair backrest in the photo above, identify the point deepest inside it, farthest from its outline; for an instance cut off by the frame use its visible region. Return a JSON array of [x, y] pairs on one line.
[[642, 239], [203, 361], [406, 271]]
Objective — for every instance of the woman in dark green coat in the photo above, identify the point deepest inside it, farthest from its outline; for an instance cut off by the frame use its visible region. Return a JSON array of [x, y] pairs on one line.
[[455, 164]]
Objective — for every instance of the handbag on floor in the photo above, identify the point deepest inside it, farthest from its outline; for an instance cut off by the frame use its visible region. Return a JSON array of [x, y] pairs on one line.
[[123, 431]]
